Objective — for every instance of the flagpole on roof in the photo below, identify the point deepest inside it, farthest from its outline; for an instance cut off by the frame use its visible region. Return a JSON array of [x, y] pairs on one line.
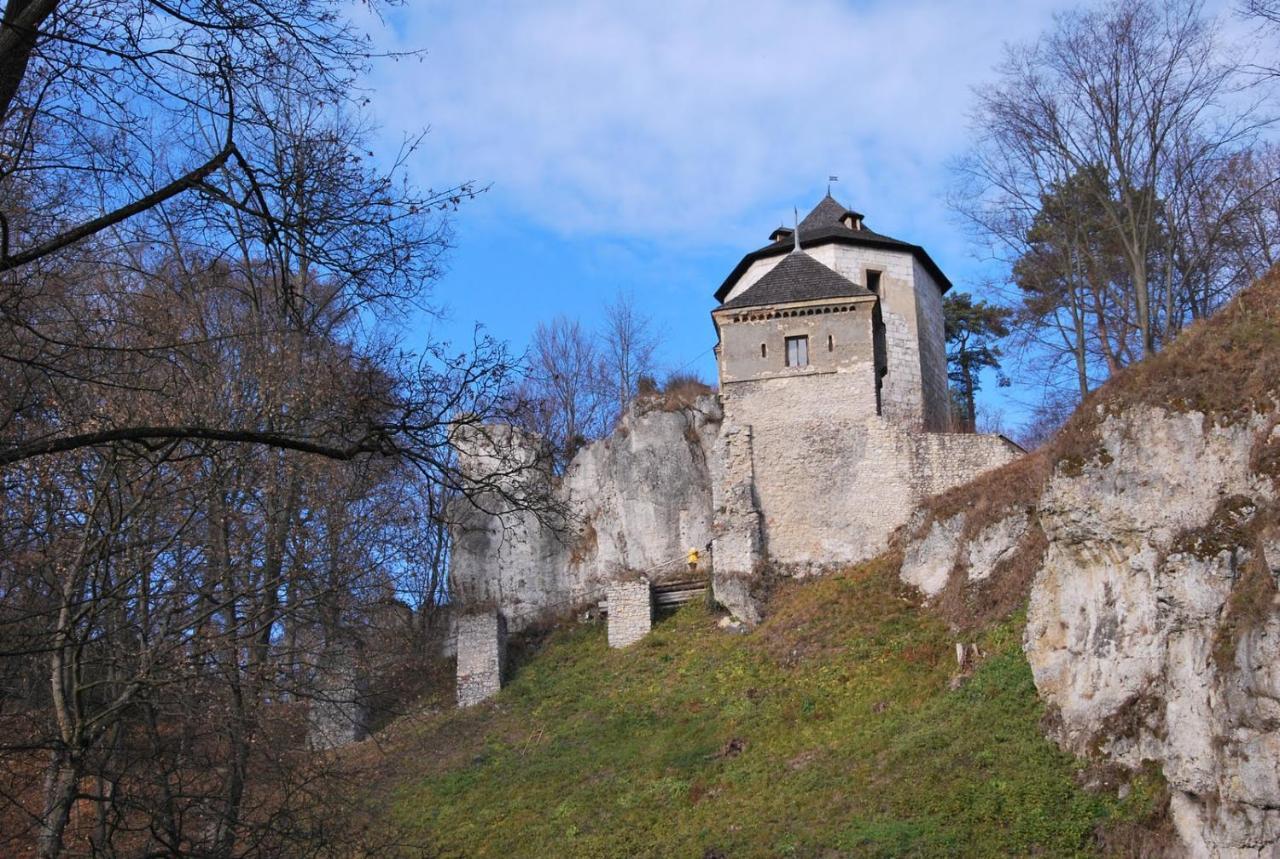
[[796, 233]]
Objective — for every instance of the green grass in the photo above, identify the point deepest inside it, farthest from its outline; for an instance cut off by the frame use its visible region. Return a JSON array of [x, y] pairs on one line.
[[832, 730]]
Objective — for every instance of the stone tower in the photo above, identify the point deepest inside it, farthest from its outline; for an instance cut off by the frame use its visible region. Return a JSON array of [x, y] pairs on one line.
[[843, 319], [833, 380]]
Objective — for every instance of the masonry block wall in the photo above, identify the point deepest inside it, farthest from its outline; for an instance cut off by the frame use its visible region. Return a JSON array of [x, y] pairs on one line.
[[339, 712], [931, 323], [902, 395], [630, 611], [482, 656], [830, 490]]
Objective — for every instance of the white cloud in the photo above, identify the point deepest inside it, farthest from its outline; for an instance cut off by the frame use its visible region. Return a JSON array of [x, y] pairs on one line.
[[661, 119]]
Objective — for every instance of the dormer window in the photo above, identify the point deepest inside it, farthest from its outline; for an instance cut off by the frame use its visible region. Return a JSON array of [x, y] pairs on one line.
[[852, 220], [797, 351]]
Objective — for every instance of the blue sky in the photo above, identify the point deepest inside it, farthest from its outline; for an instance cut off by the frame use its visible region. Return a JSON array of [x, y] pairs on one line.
[[645, 147]]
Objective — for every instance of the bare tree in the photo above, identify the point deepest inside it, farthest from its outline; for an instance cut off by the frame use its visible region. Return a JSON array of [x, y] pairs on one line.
[[186, 124], [629, 346], [1132, 103], [216, 465], [567, 395]]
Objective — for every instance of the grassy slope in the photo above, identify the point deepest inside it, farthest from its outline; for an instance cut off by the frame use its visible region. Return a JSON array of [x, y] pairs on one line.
[[831, 730]]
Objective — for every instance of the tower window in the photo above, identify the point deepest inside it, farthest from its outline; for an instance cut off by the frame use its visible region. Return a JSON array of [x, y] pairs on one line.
[[831, 343], [797, 351], [764, 350], [873, 281]]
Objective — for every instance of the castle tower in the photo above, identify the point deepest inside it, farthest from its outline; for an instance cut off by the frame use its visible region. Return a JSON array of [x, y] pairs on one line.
[[844, 319], [833, 379]]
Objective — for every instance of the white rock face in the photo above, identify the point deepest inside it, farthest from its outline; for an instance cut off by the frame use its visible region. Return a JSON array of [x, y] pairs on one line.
[[995, 544], [636, 501], [1146, 543], [932, 555], [927, 563]]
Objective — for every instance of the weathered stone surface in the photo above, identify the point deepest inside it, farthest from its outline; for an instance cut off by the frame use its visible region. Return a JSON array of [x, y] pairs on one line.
[[994, 544], [339, 707], [482, 656], [737, 594], [635, 501], [630, 611], [737, 546], [831, 489], [927, 563], [1125, 630]]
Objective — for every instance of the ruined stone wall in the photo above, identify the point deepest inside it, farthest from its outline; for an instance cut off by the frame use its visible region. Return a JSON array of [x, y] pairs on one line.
[[635, 501], [339, 712], [482, 656], [630, 611], [939, 461]]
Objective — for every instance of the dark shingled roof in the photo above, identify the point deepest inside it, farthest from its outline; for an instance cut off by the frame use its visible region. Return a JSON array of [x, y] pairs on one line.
[[799, 277], [828, 213], [825, 225]]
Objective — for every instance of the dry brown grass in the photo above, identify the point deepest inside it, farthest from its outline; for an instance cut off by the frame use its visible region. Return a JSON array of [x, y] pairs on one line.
[[969, 605], [678, 392], [1253, 595], [1226, 366]]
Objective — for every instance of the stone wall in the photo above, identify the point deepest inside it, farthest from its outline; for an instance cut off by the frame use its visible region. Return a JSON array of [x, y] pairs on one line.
[[931, 324], [339, 711], [482, 656], [753, 340], [902, 397], [829, 489], [630, 611]]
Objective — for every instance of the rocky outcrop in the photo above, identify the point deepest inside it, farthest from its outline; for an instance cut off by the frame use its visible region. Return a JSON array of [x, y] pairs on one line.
[[1153, 629], [634, 502]]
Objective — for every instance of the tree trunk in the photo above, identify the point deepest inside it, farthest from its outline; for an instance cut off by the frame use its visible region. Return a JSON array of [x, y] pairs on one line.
[[61, 780], [1142, 302], [970, 406]]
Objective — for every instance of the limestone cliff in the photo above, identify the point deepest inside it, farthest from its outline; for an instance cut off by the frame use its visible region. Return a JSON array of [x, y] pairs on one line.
[[635, 501], [1147, 544]]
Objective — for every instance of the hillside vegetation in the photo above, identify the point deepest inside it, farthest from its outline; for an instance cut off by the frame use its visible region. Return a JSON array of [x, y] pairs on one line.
[[838, 727]]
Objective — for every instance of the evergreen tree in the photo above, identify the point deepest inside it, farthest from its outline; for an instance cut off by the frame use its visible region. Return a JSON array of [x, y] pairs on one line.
[[972, 329]]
